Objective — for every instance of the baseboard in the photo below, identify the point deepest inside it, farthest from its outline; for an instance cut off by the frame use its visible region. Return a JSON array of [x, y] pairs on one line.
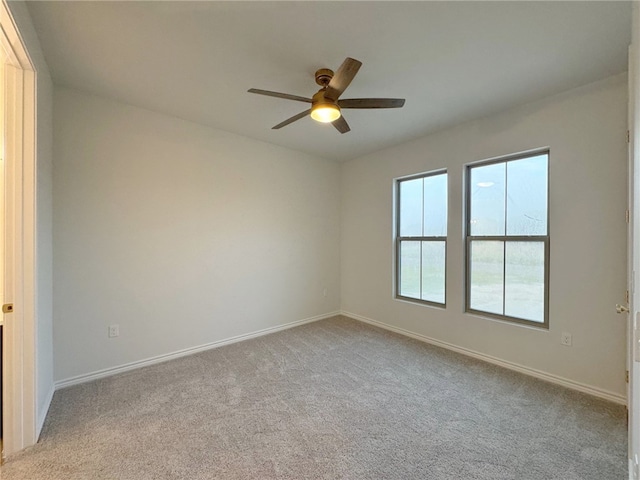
[[42, 414], [565, 382], [107, 372]]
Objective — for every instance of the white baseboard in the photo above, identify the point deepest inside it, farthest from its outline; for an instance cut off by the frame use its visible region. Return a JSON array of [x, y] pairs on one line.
[[549, 377], [107, 372], [88, 377], [42, 414]]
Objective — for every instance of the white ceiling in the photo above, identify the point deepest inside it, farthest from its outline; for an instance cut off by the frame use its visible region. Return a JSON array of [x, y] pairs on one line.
[[452, 61]]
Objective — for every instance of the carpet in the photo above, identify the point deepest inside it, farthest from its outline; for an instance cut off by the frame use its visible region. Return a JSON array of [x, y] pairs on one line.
[[334, 399]]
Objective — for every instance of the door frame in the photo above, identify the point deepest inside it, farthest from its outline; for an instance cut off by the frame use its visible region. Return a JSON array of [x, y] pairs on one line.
[[633, 263], [19, 330], [632, 268]]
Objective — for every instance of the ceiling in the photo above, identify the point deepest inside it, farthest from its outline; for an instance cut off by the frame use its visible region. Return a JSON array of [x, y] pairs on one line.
[[452, 61]]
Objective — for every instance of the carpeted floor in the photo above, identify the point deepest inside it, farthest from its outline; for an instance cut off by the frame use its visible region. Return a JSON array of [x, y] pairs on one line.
[[335, 399]]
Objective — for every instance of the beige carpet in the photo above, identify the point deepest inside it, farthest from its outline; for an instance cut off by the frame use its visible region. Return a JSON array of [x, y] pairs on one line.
[[335, 399]]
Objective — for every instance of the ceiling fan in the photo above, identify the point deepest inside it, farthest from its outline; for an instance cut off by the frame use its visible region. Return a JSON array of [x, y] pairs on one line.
[[325, 104]]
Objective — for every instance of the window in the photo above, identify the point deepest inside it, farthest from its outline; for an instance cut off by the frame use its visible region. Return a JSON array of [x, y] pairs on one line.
[[421, 237], [507, 239]]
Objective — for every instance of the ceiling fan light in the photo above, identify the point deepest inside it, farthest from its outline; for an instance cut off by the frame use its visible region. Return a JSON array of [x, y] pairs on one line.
[[325, 113]]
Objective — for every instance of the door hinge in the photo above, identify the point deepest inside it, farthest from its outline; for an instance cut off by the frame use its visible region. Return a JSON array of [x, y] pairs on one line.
[[627, 215], [626, 297], [7, 308], [628, 137], [627, 376]]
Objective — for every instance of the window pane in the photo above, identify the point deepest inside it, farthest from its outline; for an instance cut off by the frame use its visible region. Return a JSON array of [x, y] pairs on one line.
[[487, 274], [524, 280], [435, 206], [410, 269], [411, 208], [527, 196], [487, 200], [433, 268]]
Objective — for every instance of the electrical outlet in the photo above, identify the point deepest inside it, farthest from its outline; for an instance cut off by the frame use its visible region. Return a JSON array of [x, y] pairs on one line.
[[565, 339], [324, 293], [114, 330]]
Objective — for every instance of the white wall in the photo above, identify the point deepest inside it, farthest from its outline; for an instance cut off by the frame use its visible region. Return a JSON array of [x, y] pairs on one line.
[[44, 206], [585, 130], [181, 234]]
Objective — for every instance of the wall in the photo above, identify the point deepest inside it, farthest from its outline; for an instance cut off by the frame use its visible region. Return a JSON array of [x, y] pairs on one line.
[[585, 129], [44, 206], [181, 234]]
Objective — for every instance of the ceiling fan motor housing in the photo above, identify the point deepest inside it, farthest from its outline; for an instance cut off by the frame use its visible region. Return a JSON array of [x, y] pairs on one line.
[[319, 99]]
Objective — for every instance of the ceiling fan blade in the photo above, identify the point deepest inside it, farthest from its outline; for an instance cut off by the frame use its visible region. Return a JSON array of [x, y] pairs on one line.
[[279, 95], [342, 78], [371, 103], [292, 119], [341, 125]]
